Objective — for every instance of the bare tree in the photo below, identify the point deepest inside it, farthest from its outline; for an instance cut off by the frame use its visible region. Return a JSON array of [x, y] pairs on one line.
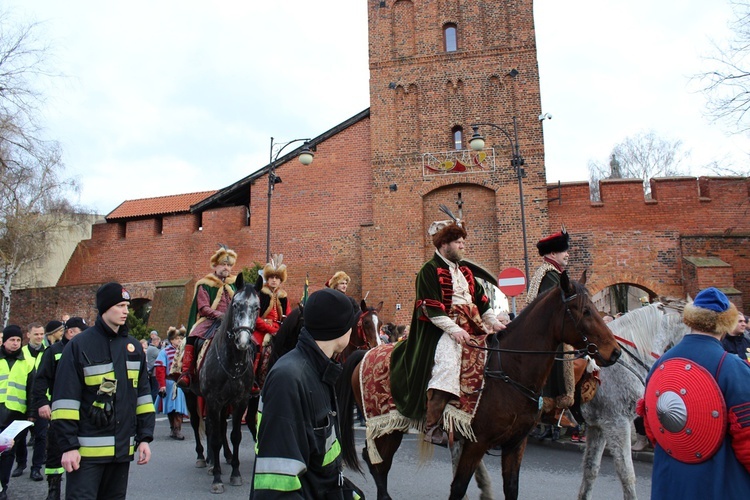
[[642, 156], [34, 194], [727, 87]]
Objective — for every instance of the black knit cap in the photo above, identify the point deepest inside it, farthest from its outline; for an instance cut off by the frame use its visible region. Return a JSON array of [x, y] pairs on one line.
[[329, 314], [12, 331], [110, 295], [76, 322], [53, 326]]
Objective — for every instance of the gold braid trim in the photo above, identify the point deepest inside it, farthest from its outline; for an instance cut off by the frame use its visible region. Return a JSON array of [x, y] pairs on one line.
[[536, 280]]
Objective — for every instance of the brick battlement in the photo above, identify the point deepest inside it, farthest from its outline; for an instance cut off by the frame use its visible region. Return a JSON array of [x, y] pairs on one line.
[[704, 205]]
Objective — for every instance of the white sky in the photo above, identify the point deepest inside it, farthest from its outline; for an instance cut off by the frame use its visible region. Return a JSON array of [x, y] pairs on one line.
[[171, 97]]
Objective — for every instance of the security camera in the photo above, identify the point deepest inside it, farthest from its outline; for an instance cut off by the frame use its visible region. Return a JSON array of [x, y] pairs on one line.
[[545, 116]]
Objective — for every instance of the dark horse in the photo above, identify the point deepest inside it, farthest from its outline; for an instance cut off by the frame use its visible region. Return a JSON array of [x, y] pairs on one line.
[[367, 333], [226, 377], [518, 363]]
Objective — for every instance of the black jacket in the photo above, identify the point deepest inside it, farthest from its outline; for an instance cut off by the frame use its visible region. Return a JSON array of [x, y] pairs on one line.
[[298, 453], [90, 356], [739, 345], [45, 375]]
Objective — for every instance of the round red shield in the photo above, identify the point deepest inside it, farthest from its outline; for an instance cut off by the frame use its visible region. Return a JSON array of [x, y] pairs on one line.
[[686, 411]]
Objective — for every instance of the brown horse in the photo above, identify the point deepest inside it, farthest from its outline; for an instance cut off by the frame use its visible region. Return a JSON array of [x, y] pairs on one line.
[[518, 363], [366, 336]]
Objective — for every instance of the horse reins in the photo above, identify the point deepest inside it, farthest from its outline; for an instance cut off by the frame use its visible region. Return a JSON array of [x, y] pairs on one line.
[[365, 345], [528, 393], [231, 334], [620, 342]]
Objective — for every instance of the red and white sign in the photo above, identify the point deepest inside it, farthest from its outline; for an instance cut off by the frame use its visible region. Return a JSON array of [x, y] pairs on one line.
[[511, 281]]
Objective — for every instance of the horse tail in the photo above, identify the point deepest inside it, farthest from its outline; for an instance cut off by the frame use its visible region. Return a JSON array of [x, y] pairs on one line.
[[345, 395]]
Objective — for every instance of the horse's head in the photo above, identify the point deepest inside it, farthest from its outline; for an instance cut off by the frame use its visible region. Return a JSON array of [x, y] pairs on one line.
[[368, 326], [244, 312], [583, 327]]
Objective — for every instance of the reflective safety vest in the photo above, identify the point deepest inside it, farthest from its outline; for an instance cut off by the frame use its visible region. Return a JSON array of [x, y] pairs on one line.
[[13, 383], [30, 356]]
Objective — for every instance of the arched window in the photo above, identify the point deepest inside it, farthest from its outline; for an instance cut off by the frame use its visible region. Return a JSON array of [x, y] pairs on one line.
[[458, 138], [450, 37]]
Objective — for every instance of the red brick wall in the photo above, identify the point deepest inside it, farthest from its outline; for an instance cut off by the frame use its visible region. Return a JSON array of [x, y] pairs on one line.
[[626, 238]]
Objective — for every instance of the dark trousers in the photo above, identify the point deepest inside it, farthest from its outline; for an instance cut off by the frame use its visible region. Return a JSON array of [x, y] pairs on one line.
[[98, 481], [154, 384], [53, 465], [22, 454], [41, 427], [6, 466]]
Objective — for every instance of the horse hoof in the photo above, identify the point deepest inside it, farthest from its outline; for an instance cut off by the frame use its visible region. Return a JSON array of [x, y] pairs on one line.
[[200, 464], [211, 470], [217, 488], [235, 480]]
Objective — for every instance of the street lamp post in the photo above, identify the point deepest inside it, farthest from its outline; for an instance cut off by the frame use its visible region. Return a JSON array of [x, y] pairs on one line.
[[305, 157], [477, 144]]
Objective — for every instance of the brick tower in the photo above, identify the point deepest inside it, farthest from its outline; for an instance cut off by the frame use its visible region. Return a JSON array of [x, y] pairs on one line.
[[436, 67]]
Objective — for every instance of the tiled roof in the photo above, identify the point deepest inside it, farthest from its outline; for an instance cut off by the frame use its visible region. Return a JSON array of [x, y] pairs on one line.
[[179, 203]]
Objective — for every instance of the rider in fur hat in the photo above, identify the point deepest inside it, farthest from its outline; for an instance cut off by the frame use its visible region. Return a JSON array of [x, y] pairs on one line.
[[339, 281], [450, 308], [274, 306], [213, 294]]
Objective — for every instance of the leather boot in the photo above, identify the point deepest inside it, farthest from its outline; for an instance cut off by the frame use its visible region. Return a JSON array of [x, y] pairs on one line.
[[53, 490], [436, 401], [176, 421], [187, 366]]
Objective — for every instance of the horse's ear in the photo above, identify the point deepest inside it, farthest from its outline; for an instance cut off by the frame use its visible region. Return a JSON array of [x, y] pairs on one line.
[[379, 307], [363, 305], [239, 282], [583, 276]]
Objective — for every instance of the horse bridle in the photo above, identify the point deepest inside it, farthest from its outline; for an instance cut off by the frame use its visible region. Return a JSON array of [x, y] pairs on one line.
[[535, 396], [231, 335], [365, 346]]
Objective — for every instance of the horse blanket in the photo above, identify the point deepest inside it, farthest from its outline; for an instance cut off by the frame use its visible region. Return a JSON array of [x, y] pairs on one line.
[[380, 410]]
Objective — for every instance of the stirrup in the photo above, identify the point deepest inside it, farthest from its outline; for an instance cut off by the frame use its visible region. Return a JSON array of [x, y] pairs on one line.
[[436, 435]]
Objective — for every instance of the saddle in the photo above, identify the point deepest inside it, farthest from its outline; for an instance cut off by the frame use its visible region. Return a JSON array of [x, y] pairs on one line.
[[201, 347]]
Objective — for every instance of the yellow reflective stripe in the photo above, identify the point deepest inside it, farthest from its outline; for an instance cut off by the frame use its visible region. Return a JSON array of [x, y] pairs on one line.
[[94, 375], [333, 453], [259, 417], [145, 408], [52, 472], [65, 415], [66, 409], [276, 482], [96, 447], [58, 355]]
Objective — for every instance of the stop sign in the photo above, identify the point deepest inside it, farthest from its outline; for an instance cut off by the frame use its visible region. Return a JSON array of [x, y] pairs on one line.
[[511, 281]]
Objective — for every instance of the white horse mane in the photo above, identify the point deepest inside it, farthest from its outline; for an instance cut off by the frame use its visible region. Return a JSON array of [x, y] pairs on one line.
[[638, 327]]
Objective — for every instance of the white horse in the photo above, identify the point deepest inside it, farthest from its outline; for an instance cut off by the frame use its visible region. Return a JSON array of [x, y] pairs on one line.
[[644, 335]]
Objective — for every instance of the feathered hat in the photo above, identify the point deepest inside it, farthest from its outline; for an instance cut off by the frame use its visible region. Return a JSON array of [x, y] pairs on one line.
[[337, 278], [558, 242], [275, 268], [175, 332], [224, 255], [711, 312], [446, 231]]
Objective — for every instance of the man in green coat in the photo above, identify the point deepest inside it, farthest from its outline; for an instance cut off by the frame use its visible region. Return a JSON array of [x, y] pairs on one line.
[[450, 308]]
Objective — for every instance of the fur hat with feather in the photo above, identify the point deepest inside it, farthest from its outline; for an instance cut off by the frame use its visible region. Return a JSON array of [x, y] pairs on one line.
[[275, 269], [224, 255], [446, 231]]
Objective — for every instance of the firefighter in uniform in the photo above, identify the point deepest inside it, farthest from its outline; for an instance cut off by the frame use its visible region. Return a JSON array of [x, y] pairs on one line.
[[298, 453], [16, 378], [103, 413], [44, 383]]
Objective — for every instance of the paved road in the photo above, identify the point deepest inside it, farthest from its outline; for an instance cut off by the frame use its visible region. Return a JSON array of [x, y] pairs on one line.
[[548, 472]]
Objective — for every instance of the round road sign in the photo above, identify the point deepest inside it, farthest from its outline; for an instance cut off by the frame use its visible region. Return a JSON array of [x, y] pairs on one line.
[[512, 281]]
